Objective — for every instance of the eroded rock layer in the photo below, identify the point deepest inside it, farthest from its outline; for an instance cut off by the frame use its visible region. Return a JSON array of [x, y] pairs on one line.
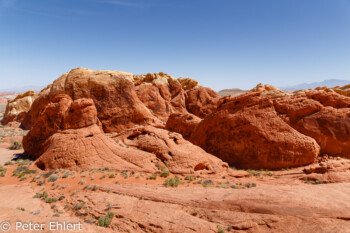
[[266, 129], [67, 134]]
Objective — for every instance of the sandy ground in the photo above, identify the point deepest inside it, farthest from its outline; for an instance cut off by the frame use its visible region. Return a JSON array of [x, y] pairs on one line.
[[280, 201], [6, 154]]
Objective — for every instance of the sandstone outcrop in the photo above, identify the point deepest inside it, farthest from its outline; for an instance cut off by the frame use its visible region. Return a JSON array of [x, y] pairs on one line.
[[18, 107], [321, 115], [268, 90], [257, 130], [124, 100], [179, 155], [182, 123], [160, 93], [201, 101], [344, 90], [113, 93], [247, 132], [68, 134]]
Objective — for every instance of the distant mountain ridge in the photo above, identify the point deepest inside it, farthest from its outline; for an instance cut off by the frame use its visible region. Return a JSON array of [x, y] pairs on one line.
[[328, 83], [22, 89]]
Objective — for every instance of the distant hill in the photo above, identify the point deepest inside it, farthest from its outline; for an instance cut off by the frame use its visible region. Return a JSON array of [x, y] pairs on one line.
[[233, 91], [22, 89], [328, 83]]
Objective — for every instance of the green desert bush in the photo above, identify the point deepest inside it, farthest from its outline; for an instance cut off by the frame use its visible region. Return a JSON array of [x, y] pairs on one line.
[[164, 172], [50, 200], [172, 182], [106, 220], [2, 171], [53, 178], [15, 145]]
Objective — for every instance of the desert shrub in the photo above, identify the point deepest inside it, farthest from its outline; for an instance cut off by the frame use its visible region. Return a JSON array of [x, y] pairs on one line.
[[95, 188], [152, 177], [220, 229], [9, 163], [23, 162], [112, 175], [41, 182], [53, 178], [50, 200], [164, 172], [311, 181], [106, 220], [65, 175], [15, 145], [20, 208], [2, 171], [42, 195], [22, 171], [124, 174], [82, 181], [253, 173], [189, 178], [172, 182], [47, 174], [79, 206]]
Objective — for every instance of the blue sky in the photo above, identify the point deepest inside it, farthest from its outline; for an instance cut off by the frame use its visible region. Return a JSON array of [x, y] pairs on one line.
[[221, 43]]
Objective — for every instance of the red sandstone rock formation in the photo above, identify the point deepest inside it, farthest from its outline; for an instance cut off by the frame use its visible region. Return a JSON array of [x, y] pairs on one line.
[[124, 100], [17, 108], [67, 134], [160, 93], [201, 101], [179, 155], [247, 132], [267, 130], [182, 123]]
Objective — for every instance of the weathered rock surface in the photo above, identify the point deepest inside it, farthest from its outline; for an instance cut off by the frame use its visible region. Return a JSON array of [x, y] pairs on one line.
[[160, 93], [264, 129], [67, 134], [201, 101], [179, 155], [183, 124], [344, 90], [112, 92], [122, 99], [321, 115], [247, 132], [268, 90], [18, 107], [190, 209]]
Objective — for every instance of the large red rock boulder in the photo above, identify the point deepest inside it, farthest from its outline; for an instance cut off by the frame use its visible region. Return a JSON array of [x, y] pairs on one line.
[[247, 132], [321, 115]]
